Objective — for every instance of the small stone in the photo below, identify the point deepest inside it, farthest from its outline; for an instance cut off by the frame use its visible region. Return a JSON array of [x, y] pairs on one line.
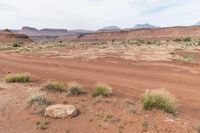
[[61, 111], [169, 120]]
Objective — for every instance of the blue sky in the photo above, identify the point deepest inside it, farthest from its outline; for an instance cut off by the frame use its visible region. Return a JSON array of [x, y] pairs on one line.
[[95, 14]]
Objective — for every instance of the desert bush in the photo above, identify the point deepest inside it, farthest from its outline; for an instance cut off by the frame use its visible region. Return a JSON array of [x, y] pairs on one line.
[[145, 125], [16, 44], [101, 90], [17, 78], [187, 58], [149, 42], [199, 42], [187, 39], [198, 127], [159, 99], [130, 105], [74, 88], [54, 86], [177, 40], [139, 42], [42, 124], [113, 41], [39, 101]]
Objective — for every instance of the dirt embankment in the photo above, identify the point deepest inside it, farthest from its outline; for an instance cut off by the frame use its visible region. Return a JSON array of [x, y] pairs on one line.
[[147, 34]]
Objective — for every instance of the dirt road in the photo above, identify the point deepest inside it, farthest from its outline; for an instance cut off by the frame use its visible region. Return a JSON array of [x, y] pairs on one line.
[[128, 78]]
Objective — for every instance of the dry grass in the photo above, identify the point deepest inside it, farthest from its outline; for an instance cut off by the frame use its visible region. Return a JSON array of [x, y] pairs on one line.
[[54, 86], [74, 88], [187, 58], [42, 124], [102, 90], [159, 99], [198, 127], [130, 106], [38, 101], [17, 78]]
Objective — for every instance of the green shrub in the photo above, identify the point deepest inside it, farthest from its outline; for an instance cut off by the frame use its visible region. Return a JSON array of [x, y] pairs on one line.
[[74, 88], [102, 90], [42, 124], [16, 45], [17, 78], [39, 101], [159, 99], [187, 39], [54, 86], [177, 40]]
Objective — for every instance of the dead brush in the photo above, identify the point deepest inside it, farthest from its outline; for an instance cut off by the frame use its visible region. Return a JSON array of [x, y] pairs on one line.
[[197, 127], [74, 88], [130, 106], [42, 124], [38, 102]]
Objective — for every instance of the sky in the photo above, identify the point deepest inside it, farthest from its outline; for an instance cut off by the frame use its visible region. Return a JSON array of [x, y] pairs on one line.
[[95, 14]]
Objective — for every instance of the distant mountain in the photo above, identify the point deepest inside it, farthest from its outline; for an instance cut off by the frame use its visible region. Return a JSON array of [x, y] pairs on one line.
[[49, 34], [76, 32], [10, 36], [109, 28], [144, 26], [197, 24], [30, 31]]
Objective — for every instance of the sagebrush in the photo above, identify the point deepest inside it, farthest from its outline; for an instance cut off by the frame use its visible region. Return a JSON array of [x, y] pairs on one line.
[[159, 99], [74, 88]]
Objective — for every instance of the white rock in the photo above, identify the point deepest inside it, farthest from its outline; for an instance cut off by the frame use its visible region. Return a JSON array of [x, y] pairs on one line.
[[61, 111], [169, 120]]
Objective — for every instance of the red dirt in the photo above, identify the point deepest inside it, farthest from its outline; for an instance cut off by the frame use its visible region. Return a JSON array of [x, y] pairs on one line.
[[128, 79]]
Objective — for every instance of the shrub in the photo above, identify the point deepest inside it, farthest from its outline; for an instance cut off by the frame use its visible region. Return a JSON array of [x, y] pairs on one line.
[[187, 39], [54, 86], [145, 125], [187, 58], [74, 88], [17, 78], [177, 40], [198, 127], [42, 124], [159, 99], [199, 42], [149, 42], [16, 45], [130, 105], [38, 101], [102, 90]]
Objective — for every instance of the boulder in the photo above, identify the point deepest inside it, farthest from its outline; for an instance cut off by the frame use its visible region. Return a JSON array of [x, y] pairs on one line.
[[61, 111]]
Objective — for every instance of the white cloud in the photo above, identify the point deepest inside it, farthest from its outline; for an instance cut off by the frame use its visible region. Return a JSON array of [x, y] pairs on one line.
[[94, 14]]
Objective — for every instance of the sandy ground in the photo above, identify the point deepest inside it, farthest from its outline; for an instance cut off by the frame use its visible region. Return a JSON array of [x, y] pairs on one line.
[[129, 76]]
